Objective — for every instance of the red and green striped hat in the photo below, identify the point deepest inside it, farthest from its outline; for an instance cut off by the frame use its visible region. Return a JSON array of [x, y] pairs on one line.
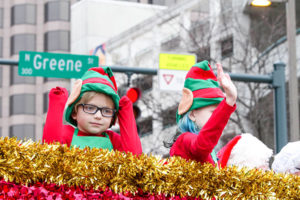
[[97, 79], [200, 89]]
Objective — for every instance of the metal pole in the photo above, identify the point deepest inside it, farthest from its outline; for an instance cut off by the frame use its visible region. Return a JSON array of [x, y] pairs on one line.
[[280, 125], [293, 81]]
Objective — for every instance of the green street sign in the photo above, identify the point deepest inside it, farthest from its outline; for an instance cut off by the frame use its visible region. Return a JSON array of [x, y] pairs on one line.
[[55, 65]]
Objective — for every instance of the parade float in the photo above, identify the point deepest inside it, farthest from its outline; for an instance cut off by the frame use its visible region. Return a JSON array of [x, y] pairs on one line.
[[30, 170]]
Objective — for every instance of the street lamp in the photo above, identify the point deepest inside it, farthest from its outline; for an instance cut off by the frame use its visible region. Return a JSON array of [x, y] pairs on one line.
[[261, 3], [292, 63]]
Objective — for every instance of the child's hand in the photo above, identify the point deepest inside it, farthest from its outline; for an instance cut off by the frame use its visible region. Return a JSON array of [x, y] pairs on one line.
[[228, 86]]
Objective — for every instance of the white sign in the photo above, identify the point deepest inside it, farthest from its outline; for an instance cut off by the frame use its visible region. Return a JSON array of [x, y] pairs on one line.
[[173, 69], [171, 79]]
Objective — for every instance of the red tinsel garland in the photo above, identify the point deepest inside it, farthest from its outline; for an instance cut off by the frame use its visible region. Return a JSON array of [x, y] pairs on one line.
[[45, 191]]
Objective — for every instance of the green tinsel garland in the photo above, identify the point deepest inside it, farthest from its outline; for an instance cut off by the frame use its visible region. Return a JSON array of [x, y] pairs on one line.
[[30, 162]]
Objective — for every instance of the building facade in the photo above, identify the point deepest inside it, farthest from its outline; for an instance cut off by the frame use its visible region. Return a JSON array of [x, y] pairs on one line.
[[30, 25]]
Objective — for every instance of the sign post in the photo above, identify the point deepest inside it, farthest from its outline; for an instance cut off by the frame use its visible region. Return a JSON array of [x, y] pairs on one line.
[[173, 69], [54, 65]]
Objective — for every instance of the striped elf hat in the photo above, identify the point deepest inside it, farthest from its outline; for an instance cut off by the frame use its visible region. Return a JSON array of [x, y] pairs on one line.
[[200, 89], [97, 79]]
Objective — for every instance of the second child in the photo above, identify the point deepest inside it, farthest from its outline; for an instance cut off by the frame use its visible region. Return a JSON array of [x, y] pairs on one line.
[[203, 113]]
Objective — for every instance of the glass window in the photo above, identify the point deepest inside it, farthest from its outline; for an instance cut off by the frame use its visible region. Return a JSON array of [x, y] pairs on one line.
[[169, 116], [171, 44], [15, 78], [1, 77], [22, 104], [227, 47], [22, 42], [53, 79], [22, 131], [145, 126], [57, 10], [159, 2], [57, 40], [1, 47], [143, 82], [1, 17], [202, 53], [0, 107], [23, 14], [46, 101]]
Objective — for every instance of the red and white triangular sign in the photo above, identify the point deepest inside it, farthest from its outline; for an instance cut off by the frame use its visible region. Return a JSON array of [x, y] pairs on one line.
[[168, 78]]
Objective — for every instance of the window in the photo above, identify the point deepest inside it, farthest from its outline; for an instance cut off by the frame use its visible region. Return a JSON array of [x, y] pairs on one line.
[[143, 82], [0, 107], [57, 40], [16, 79], [202, 54], [22, 131], [53, 79], [1, 47], [23, 14], [22, 42], [1, 77], [22, 104], [227, 47], [169, 116], [1, 17], [158, 2], [57, 10], [171, 45], [46, 101], [145, 127]]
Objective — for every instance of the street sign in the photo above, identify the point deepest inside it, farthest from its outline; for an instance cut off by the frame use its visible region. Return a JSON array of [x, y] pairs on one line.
[[54, 65], [173, 69]]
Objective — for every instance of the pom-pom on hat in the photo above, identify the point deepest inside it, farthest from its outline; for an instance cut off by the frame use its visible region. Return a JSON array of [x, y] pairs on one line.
[[245, 151], [200, 89], [97, 79], [288, 159]]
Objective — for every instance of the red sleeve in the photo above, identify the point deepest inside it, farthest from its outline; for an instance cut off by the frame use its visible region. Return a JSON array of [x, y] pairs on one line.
[[54, 130], [129, 139], [198, 147]]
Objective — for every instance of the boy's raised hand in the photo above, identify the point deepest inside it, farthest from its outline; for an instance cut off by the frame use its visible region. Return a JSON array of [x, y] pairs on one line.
[[228, 86]]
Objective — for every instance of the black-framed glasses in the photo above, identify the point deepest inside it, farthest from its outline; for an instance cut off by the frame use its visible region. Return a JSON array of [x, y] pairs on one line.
[[92, 109]]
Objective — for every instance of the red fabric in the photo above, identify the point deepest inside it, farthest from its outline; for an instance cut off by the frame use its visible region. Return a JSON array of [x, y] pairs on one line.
[[225, 152], [198, 147], [198, 73], [55, 131], [99, 80], [101, 71], [208, 93]]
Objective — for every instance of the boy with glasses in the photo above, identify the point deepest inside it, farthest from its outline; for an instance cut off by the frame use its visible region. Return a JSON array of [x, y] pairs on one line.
[[91, 109]]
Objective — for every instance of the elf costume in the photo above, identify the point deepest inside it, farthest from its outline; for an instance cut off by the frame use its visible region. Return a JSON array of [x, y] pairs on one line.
[[201, 89], [98, 79]]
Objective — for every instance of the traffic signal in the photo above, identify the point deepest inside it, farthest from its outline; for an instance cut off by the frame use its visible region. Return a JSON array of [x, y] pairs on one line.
[[134, 94]]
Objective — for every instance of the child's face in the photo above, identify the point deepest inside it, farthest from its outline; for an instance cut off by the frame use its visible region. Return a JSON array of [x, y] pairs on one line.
[[201, 115], [94, 123]]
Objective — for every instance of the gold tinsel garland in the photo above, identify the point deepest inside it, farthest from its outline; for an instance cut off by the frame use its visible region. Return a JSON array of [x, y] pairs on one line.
[[31, 162]]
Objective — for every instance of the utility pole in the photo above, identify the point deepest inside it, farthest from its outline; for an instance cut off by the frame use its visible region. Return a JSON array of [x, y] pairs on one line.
[[292, 66]]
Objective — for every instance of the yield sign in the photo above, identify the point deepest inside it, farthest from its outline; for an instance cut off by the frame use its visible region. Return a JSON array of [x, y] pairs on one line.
[[168, 78]]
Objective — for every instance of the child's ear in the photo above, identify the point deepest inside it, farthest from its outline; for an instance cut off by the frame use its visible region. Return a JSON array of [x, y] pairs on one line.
[[192, 116], [74, 115]]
